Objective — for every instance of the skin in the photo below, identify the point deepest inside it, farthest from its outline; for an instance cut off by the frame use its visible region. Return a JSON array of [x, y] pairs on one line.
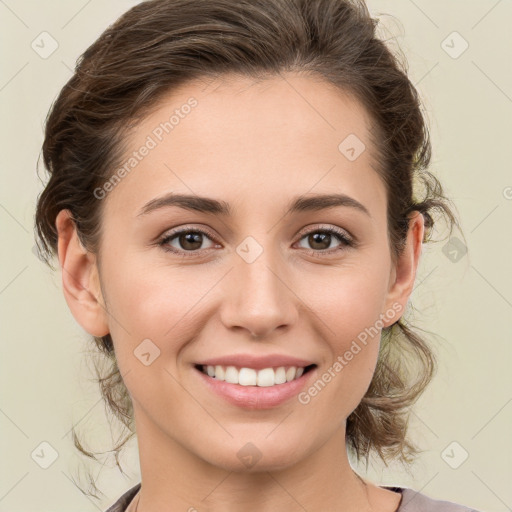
[[255, 145]]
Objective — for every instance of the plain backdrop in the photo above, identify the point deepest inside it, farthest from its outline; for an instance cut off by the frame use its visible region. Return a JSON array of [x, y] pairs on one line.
[[459, 55]]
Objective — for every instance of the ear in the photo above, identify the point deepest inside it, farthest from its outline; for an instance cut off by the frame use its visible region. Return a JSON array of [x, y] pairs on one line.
[[80, 278], [403, 272]]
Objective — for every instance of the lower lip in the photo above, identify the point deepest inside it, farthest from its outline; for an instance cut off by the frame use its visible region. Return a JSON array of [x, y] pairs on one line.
[[256, 397]]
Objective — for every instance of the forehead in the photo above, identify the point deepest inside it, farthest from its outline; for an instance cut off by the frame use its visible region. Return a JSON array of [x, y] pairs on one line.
[[237, 138]]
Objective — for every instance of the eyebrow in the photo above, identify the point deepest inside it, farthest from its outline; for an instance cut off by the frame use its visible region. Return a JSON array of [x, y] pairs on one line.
[[213, 206]]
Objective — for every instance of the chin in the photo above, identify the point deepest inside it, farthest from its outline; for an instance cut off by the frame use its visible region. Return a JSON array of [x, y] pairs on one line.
[[253, 456]]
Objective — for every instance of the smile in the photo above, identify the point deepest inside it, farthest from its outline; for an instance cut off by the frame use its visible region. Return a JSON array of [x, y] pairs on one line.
[[249, 388], [264, 377]]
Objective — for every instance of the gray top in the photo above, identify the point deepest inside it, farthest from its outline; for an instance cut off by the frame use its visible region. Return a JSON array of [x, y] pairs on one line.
[[411, 501]]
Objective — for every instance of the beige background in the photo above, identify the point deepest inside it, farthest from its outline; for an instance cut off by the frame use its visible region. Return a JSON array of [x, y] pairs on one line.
[[467, 303]]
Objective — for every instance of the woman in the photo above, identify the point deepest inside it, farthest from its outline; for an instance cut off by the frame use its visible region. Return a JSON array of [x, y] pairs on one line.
[[238, 198]]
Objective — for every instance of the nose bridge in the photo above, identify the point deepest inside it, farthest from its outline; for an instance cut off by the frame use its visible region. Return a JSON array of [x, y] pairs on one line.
[[257, 297]]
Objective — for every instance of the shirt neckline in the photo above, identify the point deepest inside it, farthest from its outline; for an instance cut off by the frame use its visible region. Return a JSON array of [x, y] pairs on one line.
[[131, 494]]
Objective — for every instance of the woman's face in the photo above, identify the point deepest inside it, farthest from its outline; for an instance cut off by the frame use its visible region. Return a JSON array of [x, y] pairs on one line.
[[261, 278]]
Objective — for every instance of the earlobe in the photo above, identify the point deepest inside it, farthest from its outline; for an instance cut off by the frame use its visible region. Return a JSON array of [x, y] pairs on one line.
[[80, 278], [403, 274]]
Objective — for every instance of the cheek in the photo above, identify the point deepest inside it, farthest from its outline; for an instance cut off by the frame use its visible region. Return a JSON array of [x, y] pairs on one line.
[[142, 305], [140, 293], [165, 305], [350, 310], [349, 301]]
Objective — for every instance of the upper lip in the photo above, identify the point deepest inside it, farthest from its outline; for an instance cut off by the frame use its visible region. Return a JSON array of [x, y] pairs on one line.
[[256, 362]]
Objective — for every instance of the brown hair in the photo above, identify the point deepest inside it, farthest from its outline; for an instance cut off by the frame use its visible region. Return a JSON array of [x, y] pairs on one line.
[[161, 44]]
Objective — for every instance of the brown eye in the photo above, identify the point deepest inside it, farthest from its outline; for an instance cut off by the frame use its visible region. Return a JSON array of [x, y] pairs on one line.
[[320, 240], [190, 241], [186, 240]]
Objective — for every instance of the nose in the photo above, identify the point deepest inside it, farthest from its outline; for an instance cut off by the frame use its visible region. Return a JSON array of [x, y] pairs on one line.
[[258, 298]]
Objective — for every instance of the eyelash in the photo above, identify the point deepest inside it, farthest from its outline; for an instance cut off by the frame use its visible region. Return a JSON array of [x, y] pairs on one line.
[[338, 233]]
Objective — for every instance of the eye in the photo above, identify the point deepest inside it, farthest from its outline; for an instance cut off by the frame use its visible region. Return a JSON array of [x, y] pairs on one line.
[[321, 240], [189, 241], [186, 240]]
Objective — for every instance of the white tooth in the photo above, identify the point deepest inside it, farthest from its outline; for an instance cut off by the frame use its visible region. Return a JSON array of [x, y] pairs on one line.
[[290, 373], [247, 377], [266, 377], [231, 375], [219, 372], [280, 376]]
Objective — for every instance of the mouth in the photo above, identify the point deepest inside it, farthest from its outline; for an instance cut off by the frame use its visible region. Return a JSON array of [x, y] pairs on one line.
[[254, 389], [265, 377]]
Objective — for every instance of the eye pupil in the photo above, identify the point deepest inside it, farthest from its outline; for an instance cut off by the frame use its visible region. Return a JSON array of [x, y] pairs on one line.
[[190, 241], [320, 238]]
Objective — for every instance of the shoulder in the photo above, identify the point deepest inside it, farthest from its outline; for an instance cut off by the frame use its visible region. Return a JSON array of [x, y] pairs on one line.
[[414, 501], [123, 502]]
